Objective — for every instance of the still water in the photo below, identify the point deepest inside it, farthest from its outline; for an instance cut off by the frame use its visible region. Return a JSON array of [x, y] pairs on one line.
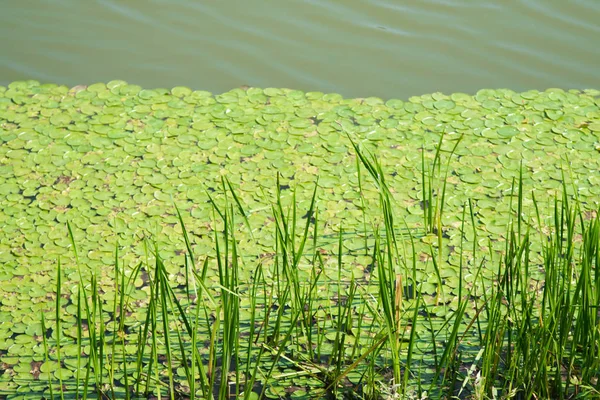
[[385, 48]]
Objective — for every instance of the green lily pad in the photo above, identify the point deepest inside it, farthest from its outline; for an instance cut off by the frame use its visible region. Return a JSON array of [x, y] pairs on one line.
[[507, 132]]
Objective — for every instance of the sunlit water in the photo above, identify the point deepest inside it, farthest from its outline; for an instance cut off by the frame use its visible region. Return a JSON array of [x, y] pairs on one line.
[[385, 48]]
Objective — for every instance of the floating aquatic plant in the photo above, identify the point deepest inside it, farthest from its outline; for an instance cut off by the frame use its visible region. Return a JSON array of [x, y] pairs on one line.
[[199, 219]]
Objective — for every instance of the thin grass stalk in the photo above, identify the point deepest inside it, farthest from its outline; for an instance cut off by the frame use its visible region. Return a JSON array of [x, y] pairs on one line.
[[125, 373], [89, 363], [510, 275], [101, 337], [439, 291], [116, 297], [418, 300], [46, 353], [225, 181], [321, 329], [427, 195], [358, 330], [308, 310], [121, 325], [148, 331], [94, 358], [337, 353], [58, 327], [212, 351], [387, 297], [250, 376], [141, 342], [362, 204], [186, 364], [160, 276], [142, 333], [411, 343], [439, 207], [474, 250], [102, 333], [235, 329], [346, 326], [192, 259], [79, 344], [151, 326]]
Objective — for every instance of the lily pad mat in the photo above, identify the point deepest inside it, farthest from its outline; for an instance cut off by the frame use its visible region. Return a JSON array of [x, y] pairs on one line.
[[113, 159]]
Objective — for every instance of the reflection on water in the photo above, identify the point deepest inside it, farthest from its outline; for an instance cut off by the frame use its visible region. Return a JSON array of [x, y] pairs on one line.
[[384, 48]]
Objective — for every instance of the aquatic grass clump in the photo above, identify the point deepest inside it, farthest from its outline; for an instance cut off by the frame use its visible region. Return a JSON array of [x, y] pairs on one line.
[[525, 339], [543, 340]]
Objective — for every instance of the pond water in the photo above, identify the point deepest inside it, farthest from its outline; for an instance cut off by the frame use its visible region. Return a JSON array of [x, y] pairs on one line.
[[384, 48]]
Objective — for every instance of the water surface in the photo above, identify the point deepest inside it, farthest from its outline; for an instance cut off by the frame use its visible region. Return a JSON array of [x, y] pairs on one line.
[[385, 48]]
